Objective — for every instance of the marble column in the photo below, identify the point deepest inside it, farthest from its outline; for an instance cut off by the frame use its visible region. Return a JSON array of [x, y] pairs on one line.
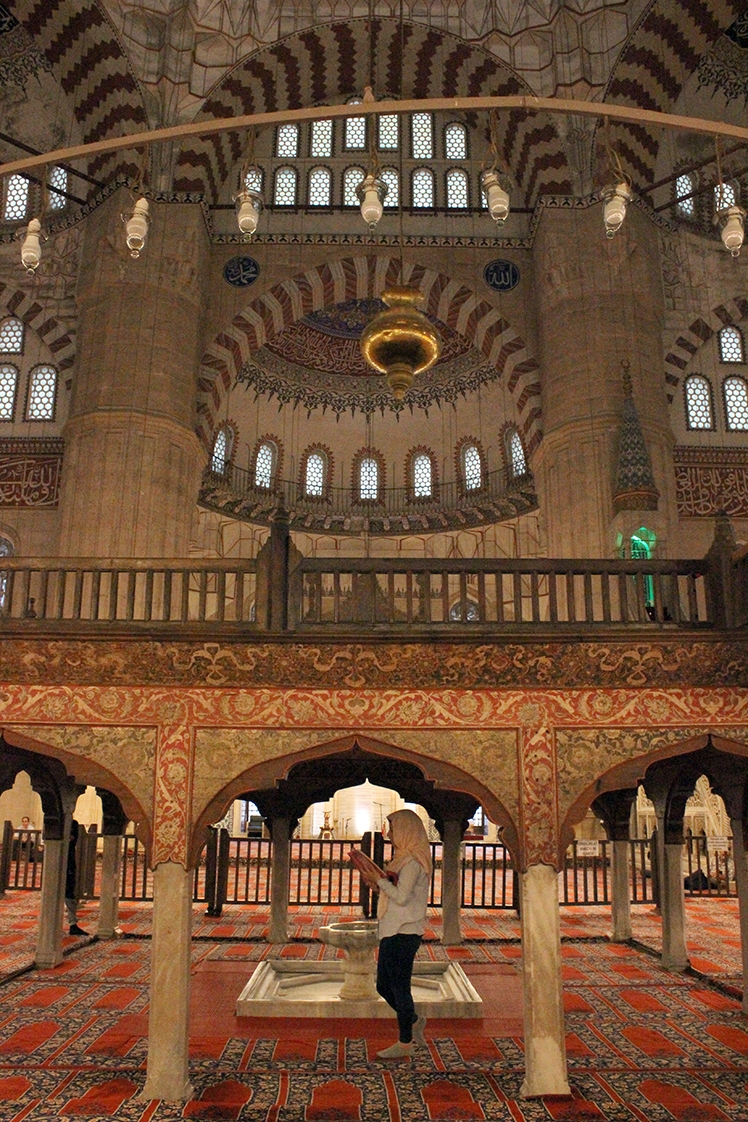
[[109, 898], [280, 830], [452, 832], [673, 906], [167, 1075], [620, 897], [49, 936], [545, 1044]]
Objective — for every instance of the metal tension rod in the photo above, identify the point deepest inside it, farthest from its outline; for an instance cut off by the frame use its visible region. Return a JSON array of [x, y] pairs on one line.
[[625, 113]]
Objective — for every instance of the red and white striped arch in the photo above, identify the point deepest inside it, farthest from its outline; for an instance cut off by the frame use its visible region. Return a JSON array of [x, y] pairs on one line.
[[690, 341]]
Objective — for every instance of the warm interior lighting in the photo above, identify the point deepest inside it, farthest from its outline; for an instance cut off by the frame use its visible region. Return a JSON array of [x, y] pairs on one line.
[[31, 249], [732, 232], [496, 196], [371, 192], [401, 342], [136, 228], [617, 197], [248, 206]]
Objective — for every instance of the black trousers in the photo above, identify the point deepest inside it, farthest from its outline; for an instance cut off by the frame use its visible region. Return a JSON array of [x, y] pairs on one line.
[[394, 971]]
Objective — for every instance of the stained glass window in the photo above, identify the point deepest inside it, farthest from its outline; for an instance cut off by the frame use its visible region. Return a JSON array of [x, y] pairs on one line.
[[351, 179], [388, 131], [731, 345], [8, 385], [392, 179], [42, 393], [457, 189], [736, 404], [684, 187], [319, 187], [517, 455], [355, 131], [16, 198], [698, 403], [11, 336], [285, 187], [321, 145], [368, 478], [724, 196], [287, 142], [455, 142], [421, 136], [58, 181], [423, 188], [422, 476], [314, 475], [264, 465], [472, 468]]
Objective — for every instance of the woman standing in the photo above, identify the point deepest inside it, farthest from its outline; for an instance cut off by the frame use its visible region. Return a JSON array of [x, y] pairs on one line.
[[403, 899]]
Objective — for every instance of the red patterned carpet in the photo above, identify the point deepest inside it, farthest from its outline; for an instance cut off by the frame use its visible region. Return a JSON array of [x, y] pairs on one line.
[[642, 1044]]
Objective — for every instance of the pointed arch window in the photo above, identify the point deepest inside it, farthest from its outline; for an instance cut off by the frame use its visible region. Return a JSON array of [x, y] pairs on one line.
[[686, 204], [736, 404], [368, 479], [515, 454], [58, 185], [8, 391], [285, 187], [40, 405], [392, 180], [457, 189], [6, 550], [266, 462], [423, 188], [471, 463], [699, 413], [731, 346], [351, 179], [423, 476], [11, 336], [16, 198], [315, 474], [455, 141], [319, 187], [222, 448], [287, 142]]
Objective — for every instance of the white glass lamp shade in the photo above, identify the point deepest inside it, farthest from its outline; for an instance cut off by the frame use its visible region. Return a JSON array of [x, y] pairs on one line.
[[614, 211], [371, 191], [136, 228], [247, 212], [496, 197], [31, 249], [733, 231]]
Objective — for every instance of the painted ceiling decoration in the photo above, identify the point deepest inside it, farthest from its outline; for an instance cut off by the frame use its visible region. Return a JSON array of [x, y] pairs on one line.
[[19, 57], [725, 68]]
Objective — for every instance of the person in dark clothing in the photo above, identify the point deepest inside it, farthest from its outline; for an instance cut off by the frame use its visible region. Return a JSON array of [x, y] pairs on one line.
[[71, 889]]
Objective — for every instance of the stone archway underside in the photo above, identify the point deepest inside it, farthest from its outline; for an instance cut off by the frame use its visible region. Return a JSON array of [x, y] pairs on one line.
[[536, 751]]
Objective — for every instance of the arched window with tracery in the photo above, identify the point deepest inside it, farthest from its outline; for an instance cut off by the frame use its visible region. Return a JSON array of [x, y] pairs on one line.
[[698, 394], [42, 393], [390, 177], [223, 446], [731, 344], [6, 550], [368, 476], [514, 452], [736, 404], [11, 336], [420, 474], [287, 142], [315, 473], [724, 196], [8, 390], [471, 465], [685, 202], [266, 464], [457, 189], [320, 187], [422, 188], [352, 177], [455, 141], [284, 193]]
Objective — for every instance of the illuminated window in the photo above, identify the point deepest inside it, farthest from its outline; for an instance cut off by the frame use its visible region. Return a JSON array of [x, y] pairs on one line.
[[517, 460], [287, 142], [42, 393], [222, 449], [457, 189], [731, 345], [472, 468], [423, 476], [321, 145], [6, 550], [8, 387], [253, 180], [642, 544], [683, 188], [11, 336], [724, 196], [736, 404], [265, 461], [355, 130], [351, 179], [368, 479], [16, 198], [319, 187], [285, 187], [314, 475], [455, 142], [392, 179], [58, 181], [388, 131], [421, 136], [423, 188], [698, 403]]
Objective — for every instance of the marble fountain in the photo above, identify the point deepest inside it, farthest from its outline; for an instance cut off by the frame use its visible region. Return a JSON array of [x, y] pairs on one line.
[[346, 987]]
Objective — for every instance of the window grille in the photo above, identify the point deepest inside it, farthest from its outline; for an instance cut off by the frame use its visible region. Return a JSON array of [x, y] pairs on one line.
[[253, 180], [731, 345], [421, 136], [285, 187], [6, 550], [42, 393], [319, 187], [422, 476], [287, 142], [423, 188], [8, 387], [472, 468], [684, 187], [455, 142], [58, 181], [736, 404], [724, 195], [321, 146], [16, 198], [219, 461], [388, 131], [351, 179], [368, 479], [698, 403], [314, 475], [392, 179], [355, 131], [517, 455], [11, 336], [457, 189], [264, 464]]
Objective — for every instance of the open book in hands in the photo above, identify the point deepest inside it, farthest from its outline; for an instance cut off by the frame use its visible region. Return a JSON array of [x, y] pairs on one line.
[[368, 869]]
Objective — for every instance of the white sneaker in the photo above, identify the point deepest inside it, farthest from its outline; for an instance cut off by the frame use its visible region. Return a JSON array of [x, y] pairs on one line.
[[418, 1030], [396, 1051]]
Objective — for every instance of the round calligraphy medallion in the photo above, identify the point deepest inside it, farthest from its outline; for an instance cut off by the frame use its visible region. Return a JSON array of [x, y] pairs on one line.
[[501, 276], [241, 271]]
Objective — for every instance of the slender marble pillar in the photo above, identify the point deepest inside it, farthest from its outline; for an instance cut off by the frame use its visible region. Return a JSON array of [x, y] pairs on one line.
[[620, 910], [451, 881], [741, 877], [673, 905], [545, 1044], [168, 1022], [109, 898], [279, 880], [49, 937]]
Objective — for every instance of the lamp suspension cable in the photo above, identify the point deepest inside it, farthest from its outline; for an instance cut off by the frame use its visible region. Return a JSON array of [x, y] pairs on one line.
[[617, 192], [138, 220], [248, 201], [728, 215]]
